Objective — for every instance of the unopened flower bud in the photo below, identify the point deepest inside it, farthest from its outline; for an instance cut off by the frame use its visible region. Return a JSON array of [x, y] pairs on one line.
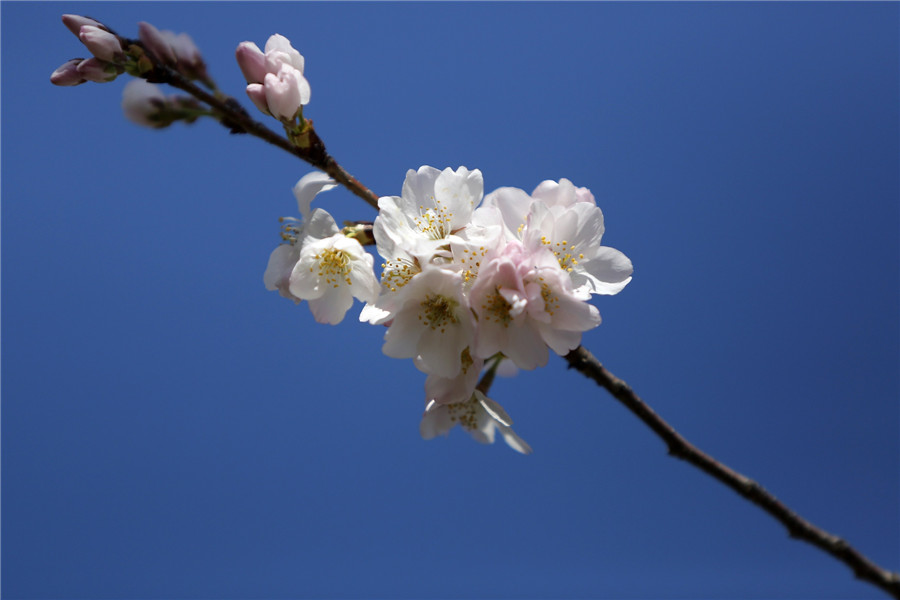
[[74, 23], [144, 103], [157, 43], [99, 71], [252, 62], [67, 73], [102, 44]]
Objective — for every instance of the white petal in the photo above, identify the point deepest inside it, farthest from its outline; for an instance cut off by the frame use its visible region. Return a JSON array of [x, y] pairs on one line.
[[418, 187], [607, 272], [332, 306], [374, 315], [281, 263], [319, 226], [365, 285], [526, 348], [495, 410], [513, 205], [514, 441], [402, 337], [460, 192], [556, 194], [435, 422], [439, 352], [560, 340], [305, 282], [309, 186], [485, 426]]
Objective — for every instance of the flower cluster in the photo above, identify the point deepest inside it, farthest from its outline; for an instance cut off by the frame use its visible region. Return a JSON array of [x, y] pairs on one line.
[[467, 281]]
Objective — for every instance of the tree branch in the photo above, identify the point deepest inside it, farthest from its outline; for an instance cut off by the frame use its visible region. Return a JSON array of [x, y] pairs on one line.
[[798, 527], [234, 116]]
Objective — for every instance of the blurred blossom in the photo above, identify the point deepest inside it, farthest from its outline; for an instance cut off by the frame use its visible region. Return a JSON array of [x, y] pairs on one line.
[[156, 43], [174, 50], [480, 416], [143, 103]]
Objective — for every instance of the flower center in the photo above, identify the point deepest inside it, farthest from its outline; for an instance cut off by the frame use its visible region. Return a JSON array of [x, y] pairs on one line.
[[565, 253], [496, 308], [551, 300], [438, 311], [434, 222], [398, 272], [465, 413], [334, 265], [471, 262], [466, 360]]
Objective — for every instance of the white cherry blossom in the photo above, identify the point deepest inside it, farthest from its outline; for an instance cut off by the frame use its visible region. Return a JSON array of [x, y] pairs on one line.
[[433, 205], [331, 270], [480, 416], [432, 323]]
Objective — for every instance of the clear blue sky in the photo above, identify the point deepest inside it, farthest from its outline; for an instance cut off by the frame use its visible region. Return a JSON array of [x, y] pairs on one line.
[[170, 429]]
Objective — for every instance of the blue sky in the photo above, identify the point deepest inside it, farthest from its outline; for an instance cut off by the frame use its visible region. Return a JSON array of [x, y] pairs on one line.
[[170, 429]]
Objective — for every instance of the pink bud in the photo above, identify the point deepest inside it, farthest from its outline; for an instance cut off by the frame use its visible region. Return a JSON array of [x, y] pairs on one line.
[[252, 62], [67, 73], [257, 94], [75, 22], [157, 43], [98, 71], [102, 44]]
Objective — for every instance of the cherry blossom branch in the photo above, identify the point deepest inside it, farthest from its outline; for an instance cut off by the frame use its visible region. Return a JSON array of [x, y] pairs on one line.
[[152, 57], [234, 116], [799, 528]]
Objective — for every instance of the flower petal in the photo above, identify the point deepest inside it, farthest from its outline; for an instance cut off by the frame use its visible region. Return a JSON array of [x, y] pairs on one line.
[[332, 307], [309, 186]]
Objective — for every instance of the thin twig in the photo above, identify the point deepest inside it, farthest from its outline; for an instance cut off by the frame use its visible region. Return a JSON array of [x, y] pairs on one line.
[[234, 116], [798, 527]]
